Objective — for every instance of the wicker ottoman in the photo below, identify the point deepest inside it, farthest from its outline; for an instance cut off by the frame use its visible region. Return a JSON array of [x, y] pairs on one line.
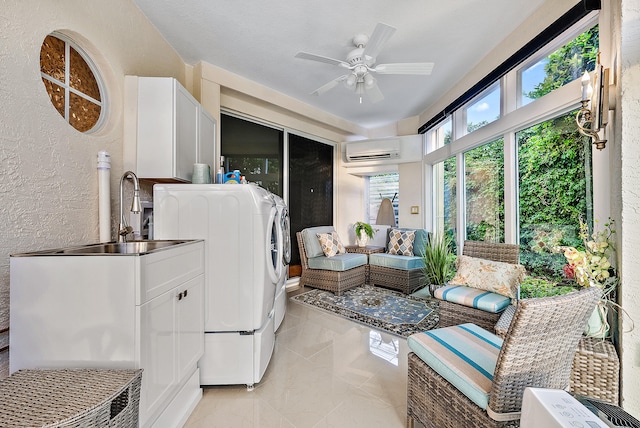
[[596, 370], [70, 398]]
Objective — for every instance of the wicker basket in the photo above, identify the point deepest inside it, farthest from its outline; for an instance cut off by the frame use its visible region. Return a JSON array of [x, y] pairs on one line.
[[70, 398], [596, 370]]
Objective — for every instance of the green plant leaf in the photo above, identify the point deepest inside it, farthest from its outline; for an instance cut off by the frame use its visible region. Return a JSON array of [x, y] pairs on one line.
[[438, 260]]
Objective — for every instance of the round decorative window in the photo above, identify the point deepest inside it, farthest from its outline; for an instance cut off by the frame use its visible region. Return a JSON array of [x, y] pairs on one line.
[[72, 82]]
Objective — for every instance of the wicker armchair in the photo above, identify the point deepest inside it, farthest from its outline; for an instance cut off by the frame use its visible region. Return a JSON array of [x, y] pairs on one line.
[[335, 281], [454, 313], [402, 273], [537, 351]]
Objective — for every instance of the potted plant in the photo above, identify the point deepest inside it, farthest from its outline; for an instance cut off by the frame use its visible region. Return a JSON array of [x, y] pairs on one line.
[[438, 261], [364, 232], [591, 267]]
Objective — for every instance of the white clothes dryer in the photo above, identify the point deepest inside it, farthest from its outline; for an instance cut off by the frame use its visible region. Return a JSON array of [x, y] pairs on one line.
[[240, 226], [284, 223]]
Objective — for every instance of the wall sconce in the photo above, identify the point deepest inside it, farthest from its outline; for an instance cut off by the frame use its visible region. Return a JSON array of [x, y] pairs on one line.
[[593, 116]]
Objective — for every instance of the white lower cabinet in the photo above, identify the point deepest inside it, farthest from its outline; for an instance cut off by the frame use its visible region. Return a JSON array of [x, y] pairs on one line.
[[114, 311], [173, 343]]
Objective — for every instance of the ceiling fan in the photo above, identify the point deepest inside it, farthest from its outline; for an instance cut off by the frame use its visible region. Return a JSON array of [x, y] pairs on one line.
[[361, 64]]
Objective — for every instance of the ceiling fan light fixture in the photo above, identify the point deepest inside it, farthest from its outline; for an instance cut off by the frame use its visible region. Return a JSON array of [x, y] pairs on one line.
[[351, 80], [361, 63], [369, 81]]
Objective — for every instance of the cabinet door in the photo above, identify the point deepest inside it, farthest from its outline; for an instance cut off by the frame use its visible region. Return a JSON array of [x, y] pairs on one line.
[[207, 140], [158, 341], [190, 325], [186, 143]]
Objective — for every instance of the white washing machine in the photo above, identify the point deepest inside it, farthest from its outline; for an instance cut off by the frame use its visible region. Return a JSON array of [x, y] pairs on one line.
[[284, 223], [240, 226]]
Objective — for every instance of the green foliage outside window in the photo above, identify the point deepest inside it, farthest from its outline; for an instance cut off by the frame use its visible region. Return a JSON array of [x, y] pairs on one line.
[[554, 163], [569, 62]]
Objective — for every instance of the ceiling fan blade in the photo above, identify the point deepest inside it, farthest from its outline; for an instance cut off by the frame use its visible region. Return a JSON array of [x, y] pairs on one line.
[[374, 93], [320, 58], [378, 39], [405, 68], [327, 86]]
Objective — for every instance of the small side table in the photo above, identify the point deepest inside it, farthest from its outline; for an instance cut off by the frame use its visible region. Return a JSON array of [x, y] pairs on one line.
[[596, 370], [369, 249]]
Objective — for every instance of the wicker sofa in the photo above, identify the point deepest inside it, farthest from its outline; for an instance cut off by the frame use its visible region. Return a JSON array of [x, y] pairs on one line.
[[336, 274], [400, 272]]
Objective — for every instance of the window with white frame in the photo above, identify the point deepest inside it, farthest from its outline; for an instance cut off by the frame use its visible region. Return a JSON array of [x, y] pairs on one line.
[[446, 209], [72, 82], [484, 192], [527, 180], [443, 133], [379, 187], [484, 109]]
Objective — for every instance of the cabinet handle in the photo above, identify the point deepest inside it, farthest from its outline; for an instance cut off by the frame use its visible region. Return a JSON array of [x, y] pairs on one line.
[[180, 296], [185, 293]]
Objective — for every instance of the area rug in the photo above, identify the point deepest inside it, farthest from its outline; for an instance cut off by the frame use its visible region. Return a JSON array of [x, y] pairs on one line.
[[382, 309]]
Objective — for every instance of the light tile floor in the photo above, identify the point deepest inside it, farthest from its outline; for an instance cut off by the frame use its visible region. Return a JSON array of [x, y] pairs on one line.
[[325, 372]]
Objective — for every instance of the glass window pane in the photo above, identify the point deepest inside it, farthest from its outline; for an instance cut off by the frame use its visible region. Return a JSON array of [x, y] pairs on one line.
[[310, 187], [255, 150], [83, 114], [484, 192], [483, 110], [81, 77], [554, 163], [443, 133], [380, 187], [561, 67], [52, 58], [445, 198], [56, 95]]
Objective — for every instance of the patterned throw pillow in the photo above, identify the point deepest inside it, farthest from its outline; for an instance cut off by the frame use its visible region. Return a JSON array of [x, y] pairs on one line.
[[331, 244], [401, 242], [497, 277]]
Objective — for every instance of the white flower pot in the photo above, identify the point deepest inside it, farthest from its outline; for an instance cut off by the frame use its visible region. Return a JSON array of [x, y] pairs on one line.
[[362, 242], [598, 326]]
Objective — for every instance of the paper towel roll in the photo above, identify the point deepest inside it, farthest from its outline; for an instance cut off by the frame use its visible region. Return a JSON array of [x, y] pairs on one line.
[[104, 196]]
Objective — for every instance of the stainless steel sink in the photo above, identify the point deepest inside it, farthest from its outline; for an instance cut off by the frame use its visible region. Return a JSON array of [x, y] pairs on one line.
[[126, 248]]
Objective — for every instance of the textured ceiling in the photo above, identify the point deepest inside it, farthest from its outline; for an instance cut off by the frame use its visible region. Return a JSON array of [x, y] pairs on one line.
[[258, 39]]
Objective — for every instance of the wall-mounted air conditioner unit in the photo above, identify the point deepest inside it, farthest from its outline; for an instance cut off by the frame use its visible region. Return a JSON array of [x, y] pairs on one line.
[[370, 150]]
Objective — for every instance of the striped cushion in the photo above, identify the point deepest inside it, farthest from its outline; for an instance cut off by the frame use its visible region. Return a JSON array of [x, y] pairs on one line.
[[473, 298], [465, 355]]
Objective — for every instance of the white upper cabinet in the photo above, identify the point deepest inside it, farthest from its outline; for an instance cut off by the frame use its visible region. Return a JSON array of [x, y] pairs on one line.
[[207, 139], [171, 130]]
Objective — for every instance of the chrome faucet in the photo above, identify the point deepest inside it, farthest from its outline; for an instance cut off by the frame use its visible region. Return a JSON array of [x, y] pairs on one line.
[[123, 228]]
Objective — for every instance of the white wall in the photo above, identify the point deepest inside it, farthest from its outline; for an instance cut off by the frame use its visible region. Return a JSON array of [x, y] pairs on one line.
[[624, 190], [48, 178]]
